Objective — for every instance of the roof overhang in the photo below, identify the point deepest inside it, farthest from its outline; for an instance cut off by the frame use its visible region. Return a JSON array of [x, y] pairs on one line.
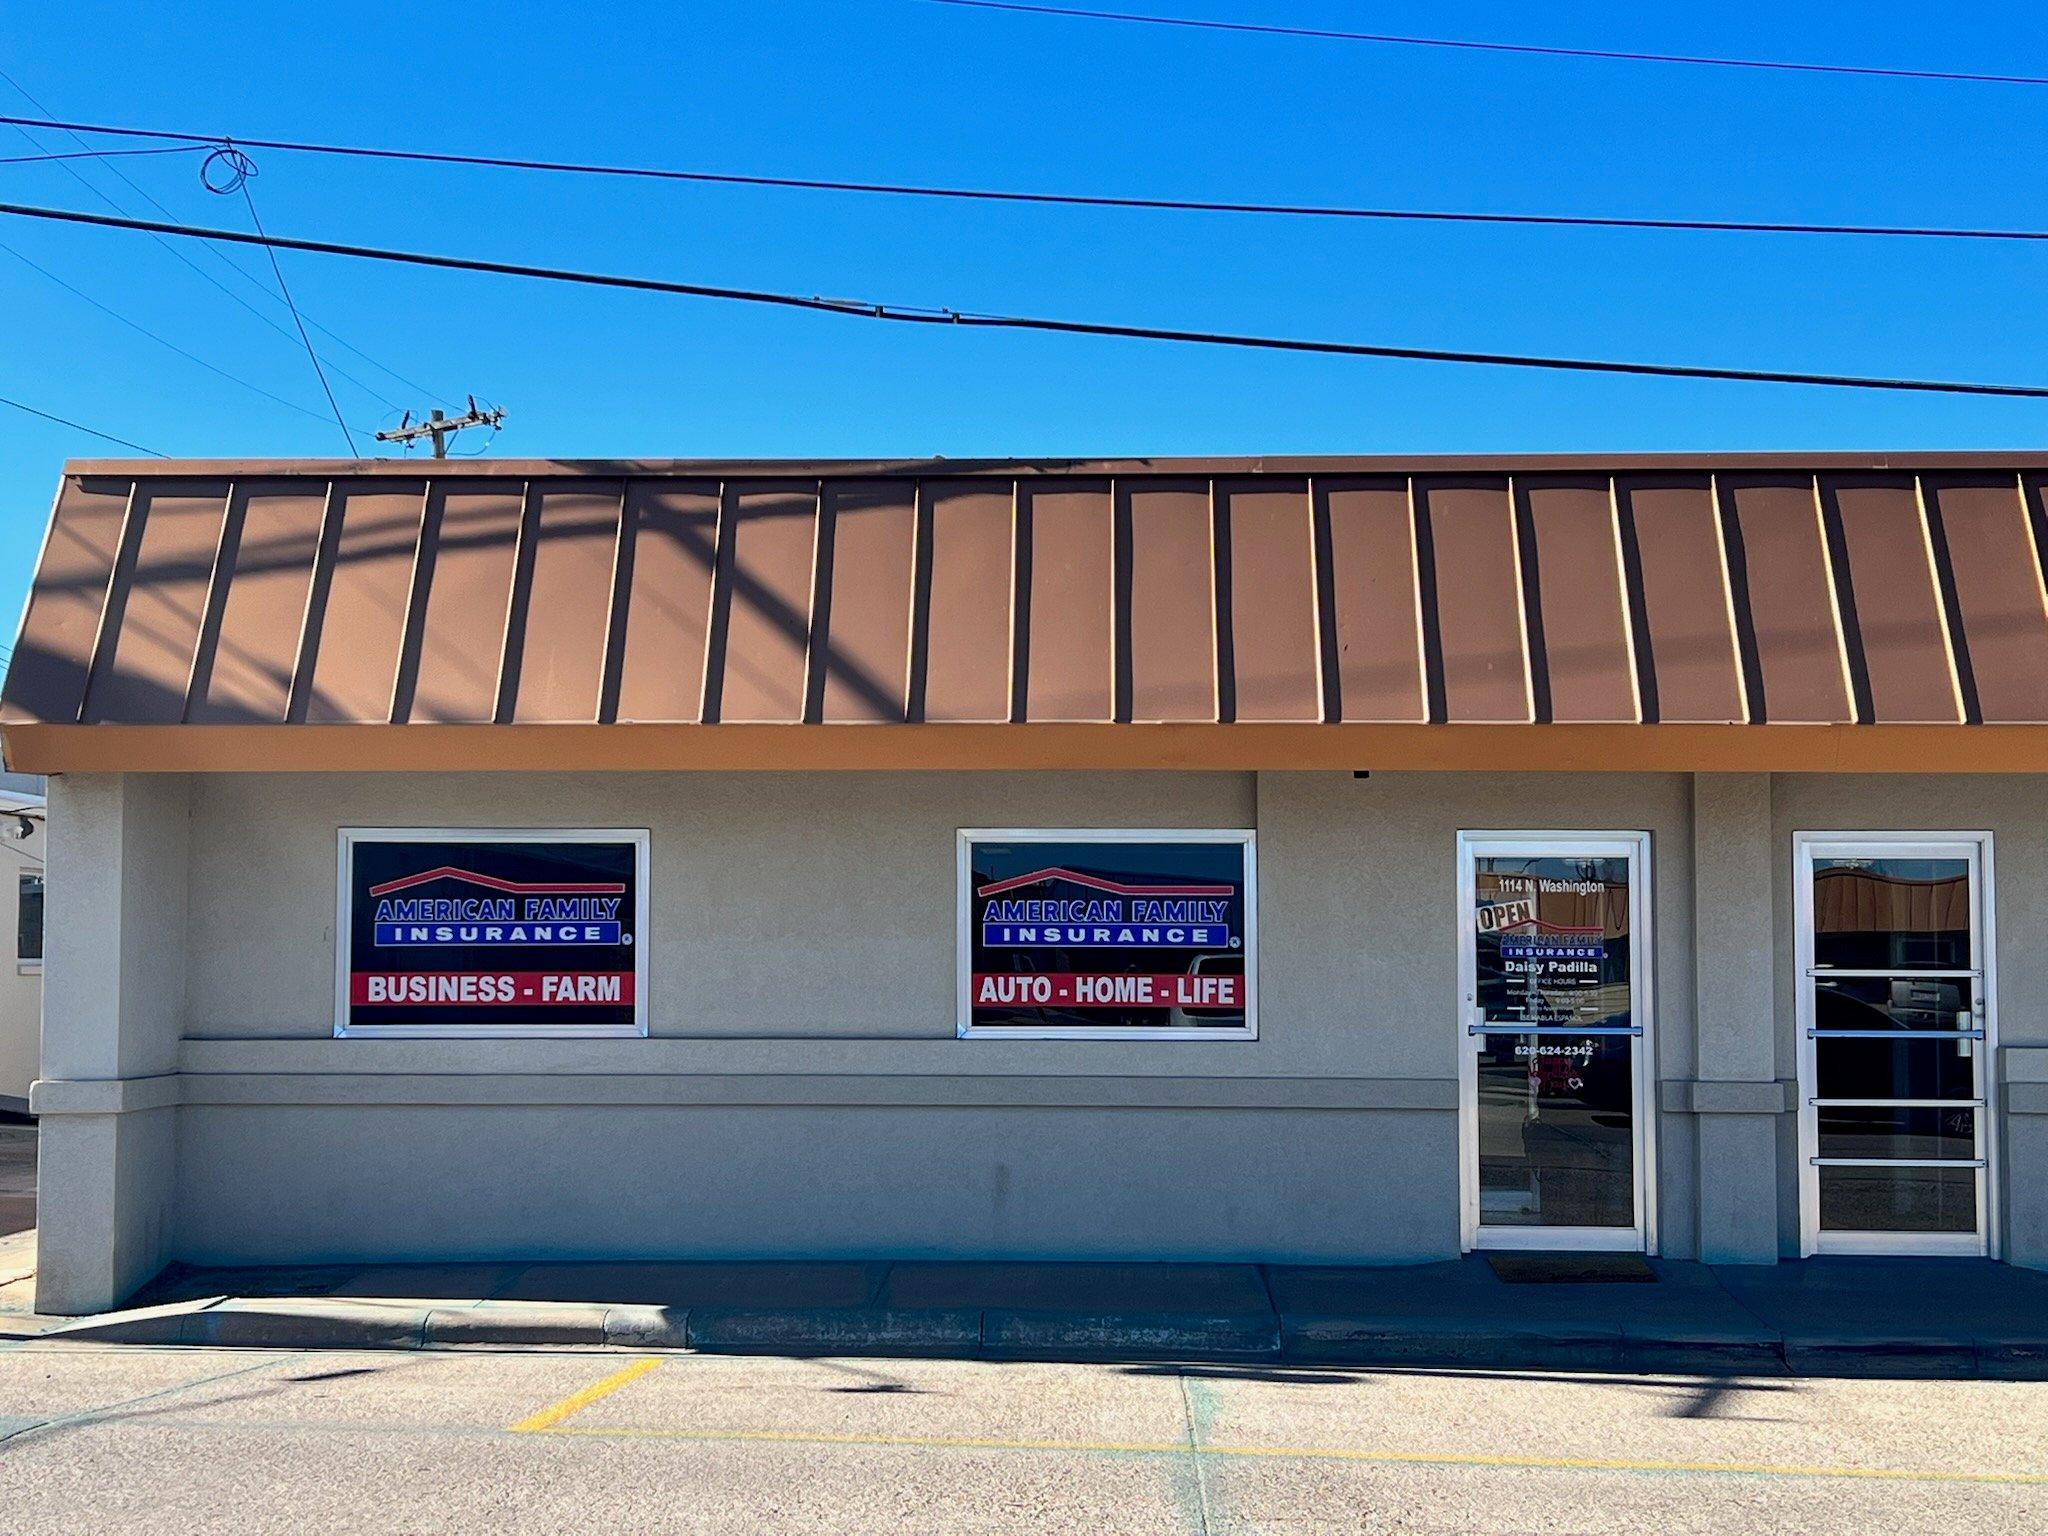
[[1217, 748], [1882, 613]]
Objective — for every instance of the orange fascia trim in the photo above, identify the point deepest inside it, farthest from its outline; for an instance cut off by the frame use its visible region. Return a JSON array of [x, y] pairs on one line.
[[627, 748]]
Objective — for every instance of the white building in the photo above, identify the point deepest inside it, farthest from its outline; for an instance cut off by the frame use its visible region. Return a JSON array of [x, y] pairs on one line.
[[21, 917]]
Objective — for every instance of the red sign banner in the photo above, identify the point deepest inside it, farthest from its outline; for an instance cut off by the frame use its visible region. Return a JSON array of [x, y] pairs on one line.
[[1106, 989], [480, 989]]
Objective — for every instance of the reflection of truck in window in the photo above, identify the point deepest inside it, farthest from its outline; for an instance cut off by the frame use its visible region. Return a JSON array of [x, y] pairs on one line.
[[1208, 1018]]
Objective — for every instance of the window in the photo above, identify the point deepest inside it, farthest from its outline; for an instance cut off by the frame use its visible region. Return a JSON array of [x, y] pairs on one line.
[[28, 917], [482, 933], [1108, 935]]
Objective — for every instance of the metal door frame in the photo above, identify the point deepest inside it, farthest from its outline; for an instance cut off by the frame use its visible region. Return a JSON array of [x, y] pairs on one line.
[[1635, 847], [1975, 848]]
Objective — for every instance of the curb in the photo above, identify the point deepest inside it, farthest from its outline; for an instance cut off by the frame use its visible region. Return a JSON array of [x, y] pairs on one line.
[[964, 1333], [1397, 1341], [738, 1330], [1129, 1335]]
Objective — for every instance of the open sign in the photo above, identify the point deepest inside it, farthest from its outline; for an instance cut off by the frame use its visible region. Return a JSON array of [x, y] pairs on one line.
[[1505, 914]]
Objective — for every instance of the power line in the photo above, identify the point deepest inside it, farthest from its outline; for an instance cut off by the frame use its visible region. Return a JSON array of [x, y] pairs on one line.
[[1616, 55], [903, 314], [235, 267], [1053, 199], [239, 171], [97, 154], [138, 326], [79, 426]]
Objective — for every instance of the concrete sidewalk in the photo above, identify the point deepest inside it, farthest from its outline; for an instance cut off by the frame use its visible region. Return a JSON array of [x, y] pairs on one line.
[[1948, 1318]]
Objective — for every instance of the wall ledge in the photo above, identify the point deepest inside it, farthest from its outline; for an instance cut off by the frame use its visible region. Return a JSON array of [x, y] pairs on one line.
[[103, 1095], [789, 1090], [2024, 1063], [1684, 1096], [2026, 1098]]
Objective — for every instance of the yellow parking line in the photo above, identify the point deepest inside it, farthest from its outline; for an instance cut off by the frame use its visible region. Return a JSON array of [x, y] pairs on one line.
[[922, 1442], [576, 1402], [1288, 1452]]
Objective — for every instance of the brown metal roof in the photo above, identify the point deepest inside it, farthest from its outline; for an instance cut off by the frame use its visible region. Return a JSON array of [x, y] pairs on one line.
[[1375, 600]]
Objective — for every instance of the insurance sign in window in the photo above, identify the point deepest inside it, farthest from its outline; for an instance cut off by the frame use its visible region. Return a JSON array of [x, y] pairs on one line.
[[491, 932], [1553, 1065], [1107, 934]]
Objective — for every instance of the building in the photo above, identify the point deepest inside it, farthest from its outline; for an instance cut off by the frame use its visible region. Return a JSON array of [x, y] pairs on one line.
[[21, 913], [1316, 860]]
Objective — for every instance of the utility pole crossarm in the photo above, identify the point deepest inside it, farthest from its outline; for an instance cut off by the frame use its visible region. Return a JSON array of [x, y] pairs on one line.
[[440, 428]]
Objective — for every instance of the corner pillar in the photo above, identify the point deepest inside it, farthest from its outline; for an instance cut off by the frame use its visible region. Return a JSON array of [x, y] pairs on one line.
[[113, 1016]]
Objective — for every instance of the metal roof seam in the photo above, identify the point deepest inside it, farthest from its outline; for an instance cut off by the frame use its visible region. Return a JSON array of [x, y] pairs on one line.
[[1944, 606], [1838, 585], [298, 691], [917, 636], [1222, 570], [611, 662], [207, 639], [818, 625], [711, 708], [115, 600], [1742, 612], [518, 603], [1630, 586], [1020, 603], [1535, 655], [406, 664]]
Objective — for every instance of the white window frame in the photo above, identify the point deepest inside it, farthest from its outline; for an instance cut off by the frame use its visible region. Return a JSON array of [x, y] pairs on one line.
[[1635, 847], [963, 965], [345, 841], [1975, 847]]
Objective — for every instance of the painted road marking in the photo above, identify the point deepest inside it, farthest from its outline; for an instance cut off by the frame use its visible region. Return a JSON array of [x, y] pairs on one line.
[[550, 1418], [576, 1402]]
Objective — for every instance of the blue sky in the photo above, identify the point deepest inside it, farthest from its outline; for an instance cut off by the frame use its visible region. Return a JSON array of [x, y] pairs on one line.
[[896, 89]]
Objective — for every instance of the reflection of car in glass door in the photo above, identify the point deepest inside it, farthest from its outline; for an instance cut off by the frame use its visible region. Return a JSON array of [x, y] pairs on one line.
[[1197, 1016], [1894, 1044], [1554, 1063]]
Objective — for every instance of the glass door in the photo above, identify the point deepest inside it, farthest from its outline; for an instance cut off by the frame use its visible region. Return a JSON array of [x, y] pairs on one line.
[[1895, 1037], [1554, 972]]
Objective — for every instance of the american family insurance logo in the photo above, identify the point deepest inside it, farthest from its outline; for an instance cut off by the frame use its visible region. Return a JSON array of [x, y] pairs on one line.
[[519, 913], [1112, 914], [1534, 939], [1108, 914]]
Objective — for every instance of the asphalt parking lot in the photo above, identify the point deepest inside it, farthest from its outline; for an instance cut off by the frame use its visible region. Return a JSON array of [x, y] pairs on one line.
[[126, 1439]]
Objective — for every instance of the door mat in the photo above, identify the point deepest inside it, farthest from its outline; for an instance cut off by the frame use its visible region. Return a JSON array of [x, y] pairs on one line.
[[1570, 1268]]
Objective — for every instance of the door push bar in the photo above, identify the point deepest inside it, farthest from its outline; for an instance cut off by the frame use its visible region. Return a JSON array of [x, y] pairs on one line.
[[1551, 1029], [1895, 1034]]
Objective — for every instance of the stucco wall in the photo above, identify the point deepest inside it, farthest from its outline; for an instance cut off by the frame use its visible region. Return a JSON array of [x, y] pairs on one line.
[[790, 906], [754, 1181], [803, 1091], [808, 1092]]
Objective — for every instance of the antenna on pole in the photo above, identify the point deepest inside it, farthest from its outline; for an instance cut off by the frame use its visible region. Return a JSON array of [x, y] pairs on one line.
[[440, 427]]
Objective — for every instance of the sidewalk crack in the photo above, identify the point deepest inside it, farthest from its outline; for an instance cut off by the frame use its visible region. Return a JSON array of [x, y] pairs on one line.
[[1187, 1409], [87, 1416]]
